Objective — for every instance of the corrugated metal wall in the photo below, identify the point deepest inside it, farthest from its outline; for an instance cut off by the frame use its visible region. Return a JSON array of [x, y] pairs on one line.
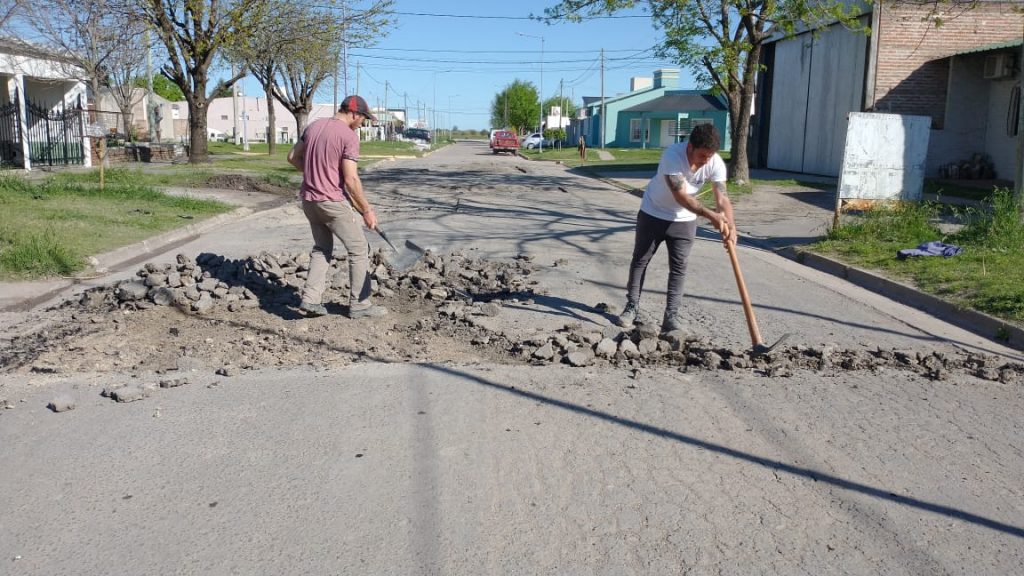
[[816, 83]]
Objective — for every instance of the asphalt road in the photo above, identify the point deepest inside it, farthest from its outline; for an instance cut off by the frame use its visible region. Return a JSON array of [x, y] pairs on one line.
[[447, 468]]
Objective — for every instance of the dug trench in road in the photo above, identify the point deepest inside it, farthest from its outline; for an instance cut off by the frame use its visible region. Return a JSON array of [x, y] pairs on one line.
[[493, 207]]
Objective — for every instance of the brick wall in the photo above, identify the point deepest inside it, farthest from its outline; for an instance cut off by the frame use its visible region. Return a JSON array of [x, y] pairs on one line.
[[912, 71]]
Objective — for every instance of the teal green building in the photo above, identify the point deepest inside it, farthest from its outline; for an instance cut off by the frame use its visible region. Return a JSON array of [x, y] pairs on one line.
[[653, 116]]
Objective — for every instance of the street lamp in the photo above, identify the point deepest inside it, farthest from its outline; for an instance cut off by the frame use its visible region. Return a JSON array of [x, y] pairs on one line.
[[540, 125], [451, 128], [433, 112]]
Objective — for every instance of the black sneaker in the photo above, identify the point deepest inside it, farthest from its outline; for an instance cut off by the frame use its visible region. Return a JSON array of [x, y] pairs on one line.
[[312, 310]]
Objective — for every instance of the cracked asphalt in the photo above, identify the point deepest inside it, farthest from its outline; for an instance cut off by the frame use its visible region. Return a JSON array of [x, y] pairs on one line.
[[460, 463]]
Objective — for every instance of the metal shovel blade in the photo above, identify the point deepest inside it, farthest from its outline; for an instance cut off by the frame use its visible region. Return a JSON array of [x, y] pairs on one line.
[[403, 259]]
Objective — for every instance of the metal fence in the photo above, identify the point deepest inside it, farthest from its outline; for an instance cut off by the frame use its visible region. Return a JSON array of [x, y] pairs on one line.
[[108, 123], [10, 134], [55, 136]]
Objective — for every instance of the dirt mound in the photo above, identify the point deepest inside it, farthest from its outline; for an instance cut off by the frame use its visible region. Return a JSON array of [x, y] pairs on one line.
[[244, 183]]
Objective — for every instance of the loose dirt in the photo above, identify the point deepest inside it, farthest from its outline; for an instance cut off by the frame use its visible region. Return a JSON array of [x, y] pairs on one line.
[[215, 314], [244, 183]]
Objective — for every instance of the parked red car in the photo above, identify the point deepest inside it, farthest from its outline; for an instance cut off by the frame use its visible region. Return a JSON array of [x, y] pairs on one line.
[[504, 141]]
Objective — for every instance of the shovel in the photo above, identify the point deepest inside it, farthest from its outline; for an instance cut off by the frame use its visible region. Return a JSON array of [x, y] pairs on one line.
[[759, 347], [403, 259]]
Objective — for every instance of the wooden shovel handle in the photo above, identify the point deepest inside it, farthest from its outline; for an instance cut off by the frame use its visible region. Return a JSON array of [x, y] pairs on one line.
[[748, 310]]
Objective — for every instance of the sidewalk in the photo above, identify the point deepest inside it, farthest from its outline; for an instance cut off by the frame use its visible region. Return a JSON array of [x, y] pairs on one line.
[[785, 218]]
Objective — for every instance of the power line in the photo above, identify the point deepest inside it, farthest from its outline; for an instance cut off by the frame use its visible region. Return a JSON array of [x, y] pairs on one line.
[[443, 61], [505, 51], [535, 18]]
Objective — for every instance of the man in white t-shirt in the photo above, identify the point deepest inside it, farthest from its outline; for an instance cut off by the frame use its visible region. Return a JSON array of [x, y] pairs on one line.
[[668, 213]]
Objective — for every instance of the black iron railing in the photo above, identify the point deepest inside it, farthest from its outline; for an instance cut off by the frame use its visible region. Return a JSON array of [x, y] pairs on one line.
[[55, 136]]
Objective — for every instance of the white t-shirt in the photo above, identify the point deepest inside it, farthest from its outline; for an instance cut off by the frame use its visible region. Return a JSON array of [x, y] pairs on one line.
[[658, 199]]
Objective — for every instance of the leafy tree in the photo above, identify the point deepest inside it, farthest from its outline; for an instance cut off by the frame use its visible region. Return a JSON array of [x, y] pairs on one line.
[[162, 87], [193, 32], [555, 134], [300, 45], [517, 107], [720, 41], [568, 108]]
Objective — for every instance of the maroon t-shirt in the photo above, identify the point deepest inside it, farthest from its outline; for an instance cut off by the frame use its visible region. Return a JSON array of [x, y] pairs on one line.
[[328, 141]]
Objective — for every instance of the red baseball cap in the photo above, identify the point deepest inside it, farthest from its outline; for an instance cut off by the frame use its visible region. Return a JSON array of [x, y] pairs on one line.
[[357, 104]]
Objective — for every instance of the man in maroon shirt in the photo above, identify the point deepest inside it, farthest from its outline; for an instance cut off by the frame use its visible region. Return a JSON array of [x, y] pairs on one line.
[[335, 205]]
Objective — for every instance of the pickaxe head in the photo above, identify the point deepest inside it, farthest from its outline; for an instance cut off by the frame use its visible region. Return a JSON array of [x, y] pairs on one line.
[[760, 349]]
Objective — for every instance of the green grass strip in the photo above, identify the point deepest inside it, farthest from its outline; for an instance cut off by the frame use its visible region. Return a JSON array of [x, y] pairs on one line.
[[50, 227]]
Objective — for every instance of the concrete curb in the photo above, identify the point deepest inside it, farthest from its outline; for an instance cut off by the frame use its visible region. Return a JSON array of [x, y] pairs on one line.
[[124, 255], [979, 323]]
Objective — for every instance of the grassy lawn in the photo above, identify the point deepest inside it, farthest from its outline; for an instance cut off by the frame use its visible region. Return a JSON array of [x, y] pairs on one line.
[[987, 276], [182, 175], [50, 226]]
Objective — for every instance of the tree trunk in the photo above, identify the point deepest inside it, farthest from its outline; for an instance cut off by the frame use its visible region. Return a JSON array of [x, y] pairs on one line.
[[739, 117], [301, 117], [738, 172], [271, 123], [198, 149], [127, 118]]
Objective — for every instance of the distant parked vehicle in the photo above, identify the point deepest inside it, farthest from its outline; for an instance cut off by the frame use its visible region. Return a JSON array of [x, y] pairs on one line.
[[504, 141], [416, 134], [535, 140]]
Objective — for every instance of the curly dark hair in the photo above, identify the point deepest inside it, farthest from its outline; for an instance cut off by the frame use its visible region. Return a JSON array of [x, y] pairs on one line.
[[706, 137]]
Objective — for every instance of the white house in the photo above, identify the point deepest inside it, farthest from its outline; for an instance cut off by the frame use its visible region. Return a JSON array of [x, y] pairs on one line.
[[171, 117], [253, 119], [42, 108]]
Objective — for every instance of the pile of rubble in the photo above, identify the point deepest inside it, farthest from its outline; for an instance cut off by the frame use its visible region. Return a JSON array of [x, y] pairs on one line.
[[454, 294], [644, 346], [213, 282]]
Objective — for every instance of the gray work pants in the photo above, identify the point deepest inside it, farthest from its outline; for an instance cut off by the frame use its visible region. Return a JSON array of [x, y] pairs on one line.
[[650, 233], [327, 220]]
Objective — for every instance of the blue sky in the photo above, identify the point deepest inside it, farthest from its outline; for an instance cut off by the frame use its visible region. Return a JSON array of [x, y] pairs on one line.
[[463, 62]]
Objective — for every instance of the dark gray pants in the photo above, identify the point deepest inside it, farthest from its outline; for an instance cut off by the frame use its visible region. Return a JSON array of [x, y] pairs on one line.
[[650, 233]]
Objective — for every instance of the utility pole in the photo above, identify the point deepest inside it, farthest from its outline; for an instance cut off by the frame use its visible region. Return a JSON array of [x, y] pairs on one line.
[[561, 101], [1019, 176], [234, 110], [357, 77], [245, 126], [151, 106], [344, 46], [386, 118], [601, 126]]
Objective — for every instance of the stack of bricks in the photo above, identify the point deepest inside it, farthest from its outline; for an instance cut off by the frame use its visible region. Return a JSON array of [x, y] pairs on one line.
[[136, 153]]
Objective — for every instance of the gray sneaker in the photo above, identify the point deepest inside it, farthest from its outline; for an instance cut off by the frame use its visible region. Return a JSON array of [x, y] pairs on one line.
[[671, 323], [371, 311], [630, 315], [312, 310]]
